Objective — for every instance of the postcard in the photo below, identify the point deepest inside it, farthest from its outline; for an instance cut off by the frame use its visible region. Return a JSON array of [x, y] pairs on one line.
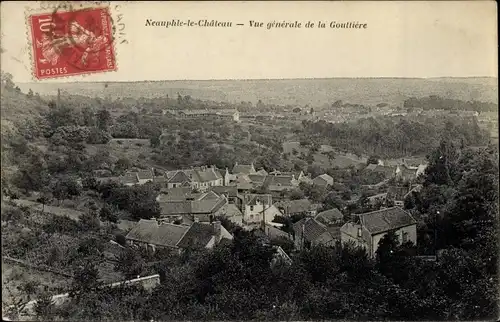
[[249, 160]]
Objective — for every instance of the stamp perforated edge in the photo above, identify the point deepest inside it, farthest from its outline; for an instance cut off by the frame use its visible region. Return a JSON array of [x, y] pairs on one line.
[[29, 11]]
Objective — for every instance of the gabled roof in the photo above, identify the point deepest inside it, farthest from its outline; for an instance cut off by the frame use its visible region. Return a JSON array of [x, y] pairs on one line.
[[328, 216], [279, 182], [229, 210], [165, 234], [243, 168], [326, 177], [179, 177], [384, 220], [397, 193], [273, 232], [262, 172], [256, 178], [197, 236], [229, 191], [145, 174], [295, 206], [311, 227], [253, 199], [208, 174], [175, 194], [371, 166], [129, 178]]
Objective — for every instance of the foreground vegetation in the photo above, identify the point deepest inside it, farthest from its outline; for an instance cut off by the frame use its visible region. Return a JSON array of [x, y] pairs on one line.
[[50, 162]]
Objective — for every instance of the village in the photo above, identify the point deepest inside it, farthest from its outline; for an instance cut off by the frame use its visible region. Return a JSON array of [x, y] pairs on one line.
[[132, 201]]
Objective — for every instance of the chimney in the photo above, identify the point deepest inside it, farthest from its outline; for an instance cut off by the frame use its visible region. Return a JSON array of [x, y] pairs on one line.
[[217, 229], [196, 219]]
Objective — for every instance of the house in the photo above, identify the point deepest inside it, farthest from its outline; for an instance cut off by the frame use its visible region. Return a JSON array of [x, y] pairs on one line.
[[244, 169], [370, 228], [231, 212], [230, 114], [129, 179], [406, 173], [279, 183], [259, 207], [201, 178], [151, 234], [323, 180], [396, 195], [300, 206], [330, 217], [144, 176], [194, 206], [310, 232], [379, 198], [231, 194], [386, 171]]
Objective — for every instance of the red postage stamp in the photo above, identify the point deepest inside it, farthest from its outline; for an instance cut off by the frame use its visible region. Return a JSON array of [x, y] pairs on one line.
[[72, 42]]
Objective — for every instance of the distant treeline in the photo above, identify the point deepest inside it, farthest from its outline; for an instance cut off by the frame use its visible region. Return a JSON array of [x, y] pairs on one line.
[[395, 136], [434, 102]]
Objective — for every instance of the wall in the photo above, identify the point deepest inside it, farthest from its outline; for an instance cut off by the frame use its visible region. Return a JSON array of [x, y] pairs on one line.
[[412, 236]]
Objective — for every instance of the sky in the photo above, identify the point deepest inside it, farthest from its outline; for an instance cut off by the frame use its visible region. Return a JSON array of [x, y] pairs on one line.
[[402, 39]]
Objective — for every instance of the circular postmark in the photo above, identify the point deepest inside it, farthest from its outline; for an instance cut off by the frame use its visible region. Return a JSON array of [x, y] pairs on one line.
[[83, 35]]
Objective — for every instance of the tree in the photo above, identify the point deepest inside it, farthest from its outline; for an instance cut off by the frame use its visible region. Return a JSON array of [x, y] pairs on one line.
[[30, 93], [108, 213], [122, 165], [44, 307], [89, 221], [85, 280], [130, 263], [125, 130], [104, 119], [373, 159]]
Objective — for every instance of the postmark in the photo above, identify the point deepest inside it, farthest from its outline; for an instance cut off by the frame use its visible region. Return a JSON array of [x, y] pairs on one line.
[[69, 42]]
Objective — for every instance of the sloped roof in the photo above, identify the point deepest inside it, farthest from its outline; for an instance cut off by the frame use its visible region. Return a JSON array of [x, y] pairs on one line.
[[229, 210], [172, 208], [397, 193], [252, 199], [255, 178], [229, 191], [329, 216], [243, 168], [175, 194], [295, 206], [165, 234], [326, 177], [108, 179], [273, 232], [279, 182], [145, 174], [179, 177], [386, 170], [371, 166], [129, 178], [197, 236], [208, 174], [386, 219], [312, 229], [262, 172]]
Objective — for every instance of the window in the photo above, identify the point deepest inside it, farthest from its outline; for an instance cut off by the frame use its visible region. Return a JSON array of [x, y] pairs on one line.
[[251, 208], [405, 237], [359, 232]]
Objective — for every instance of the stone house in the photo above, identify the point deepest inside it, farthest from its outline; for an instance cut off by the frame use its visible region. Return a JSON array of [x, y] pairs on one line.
[[369, 228]]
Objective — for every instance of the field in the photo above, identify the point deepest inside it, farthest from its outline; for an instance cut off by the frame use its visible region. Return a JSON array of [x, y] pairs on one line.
[[315, 92], [13, 275]]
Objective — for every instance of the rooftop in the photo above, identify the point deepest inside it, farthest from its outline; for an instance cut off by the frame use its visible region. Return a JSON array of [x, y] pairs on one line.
[[384, 220]]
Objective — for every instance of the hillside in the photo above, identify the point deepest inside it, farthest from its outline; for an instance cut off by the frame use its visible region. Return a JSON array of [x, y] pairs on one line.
[[315, 92]]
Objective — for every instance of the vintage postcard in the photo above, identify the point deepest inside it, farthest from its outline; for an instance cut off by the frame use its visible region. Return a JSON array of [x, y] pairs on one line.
[[249, 160]]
